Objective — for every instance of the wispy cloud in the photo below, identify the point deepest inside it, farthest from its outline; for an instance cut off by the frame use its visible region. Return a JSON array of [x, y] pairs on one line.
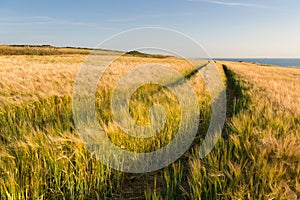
[[39, 20], [230, 3]]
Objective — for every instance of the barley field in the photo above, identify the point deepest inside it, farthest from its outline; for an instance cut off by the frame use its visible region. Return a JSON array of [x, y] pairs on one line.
[[258, 156], [42, 156]]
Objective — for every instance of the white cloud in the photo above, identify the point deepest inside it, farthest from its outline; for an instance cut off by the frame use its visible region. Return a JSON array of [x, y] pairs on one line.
[[39, 20], [227, 3]]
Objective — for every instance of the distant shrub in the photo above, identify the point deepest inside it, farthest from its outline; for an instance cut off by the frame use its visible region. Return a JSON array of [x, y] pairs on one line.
[[145, 55], [40, 50]]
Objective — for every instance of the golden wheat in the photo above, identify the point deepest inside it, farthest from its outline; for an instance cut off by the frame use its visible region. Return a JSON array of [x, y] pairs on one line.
[[281, 85]]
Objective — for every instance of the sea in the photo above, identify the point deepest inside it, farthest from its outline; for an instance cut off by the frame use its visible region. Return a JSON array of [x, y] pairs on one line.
[[283, 62]]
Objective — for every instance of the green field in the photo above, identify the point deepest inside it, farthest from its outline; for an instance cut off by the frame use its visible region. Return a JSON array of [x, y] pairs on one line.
[[42, 156]]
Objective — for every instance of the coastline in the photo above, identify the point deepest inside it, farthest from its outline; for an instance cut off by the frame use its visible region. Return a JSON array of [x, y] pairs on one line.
[[278, 62]]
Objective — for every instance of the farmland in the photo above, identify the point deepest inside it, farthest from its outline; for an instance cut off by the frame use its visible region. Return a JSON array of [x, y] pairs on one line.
[[42, 156]]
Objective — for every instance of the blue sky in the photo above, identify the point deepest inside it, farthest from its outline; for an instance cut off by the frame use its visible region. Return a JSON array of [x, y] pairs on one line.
[[226, 28]]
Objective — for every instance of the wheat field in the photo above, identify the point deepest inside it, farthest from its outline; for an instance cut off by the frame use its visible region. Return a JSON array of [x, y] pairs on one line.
[[281, 85], [42, 156]]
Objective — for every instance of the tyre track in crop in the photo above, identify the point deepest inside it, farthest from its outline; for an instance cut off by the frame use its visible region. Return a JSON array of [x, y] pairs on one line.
[[134, 186]]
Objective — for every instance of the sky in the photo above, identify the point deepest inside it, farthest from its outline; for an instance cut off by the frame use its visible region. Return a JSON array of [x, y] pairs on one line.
[[225, 28]]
